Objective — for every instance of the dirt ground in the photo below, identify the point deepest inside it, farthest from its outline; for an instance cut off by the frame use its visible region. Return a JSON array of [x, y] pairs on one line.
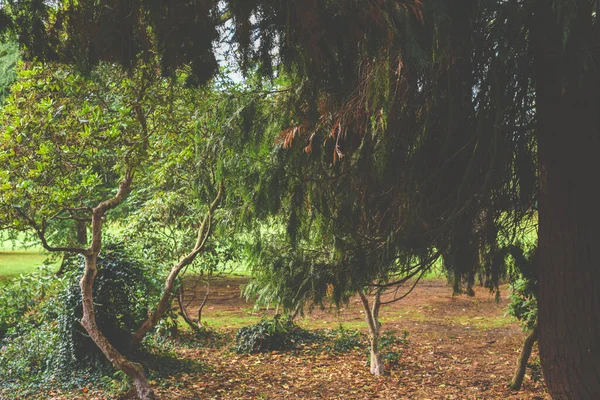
[[458, 348]]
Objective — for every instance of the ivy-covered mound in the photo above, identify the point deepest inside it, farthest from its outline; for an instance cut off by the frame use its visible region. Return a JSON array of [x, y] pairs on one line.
[[47, 346], [268, 335]]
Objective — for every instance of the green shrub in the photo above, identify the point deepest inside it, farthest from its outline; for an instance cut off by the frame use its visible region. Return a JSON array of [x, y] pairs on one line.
[[268, 335], [345, 340], [523, 303], [123, 293], [389, 347], [29, 308], [22, 296]]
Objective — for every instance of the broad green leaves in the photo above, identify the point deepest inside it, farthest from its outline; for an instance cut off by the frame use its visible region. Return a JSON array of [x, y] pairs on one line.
[[66, 140]]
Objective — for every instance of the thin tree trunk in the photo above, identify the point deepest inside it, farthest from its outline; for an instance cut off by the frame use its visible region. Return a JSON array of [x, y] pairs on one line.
[[165, 300], [372, 317], [82, 240], [531, 338], [195, 325], [183, 310], [81, 226], [204, 300], [568, 105]]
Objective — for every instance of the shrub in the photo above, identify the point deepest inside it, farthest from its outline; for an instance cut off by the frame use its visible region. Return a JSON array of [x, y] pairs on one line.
[[389, 347], [123, 293], [268, 335], [345, 340], [523, 303], [28, 311], [20, 297]]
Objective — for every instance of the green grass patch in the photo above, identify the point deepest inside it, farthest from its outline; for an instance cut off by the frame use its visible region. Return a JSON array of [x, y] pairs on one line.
[[230, 320], [316, 324], [15, 263]]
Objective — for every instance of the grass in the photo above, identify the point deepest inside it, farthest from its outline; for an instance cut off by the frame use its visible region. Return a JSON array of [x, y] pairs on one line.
[[15, 263], [19, 257], [230, 320]]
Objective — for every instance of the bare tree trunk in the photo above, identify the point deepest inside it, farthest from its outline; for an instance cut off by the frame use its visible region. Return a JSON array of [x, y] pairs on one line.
[[531, 338], [183, 310], [82, 240], [165, 300], [568, 105], [372, 317], [195, 325], [133, 370], [204, 300]]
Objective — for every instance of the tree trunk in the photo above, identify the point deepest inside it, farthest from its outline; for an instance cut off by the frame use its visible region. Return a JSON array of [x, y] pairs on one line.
[[204, 300], [166, 298], [567, 101], [184, 312], [161, 309], [133, 370], [82, 238], [372, 317], [377, 367], [517, 379]]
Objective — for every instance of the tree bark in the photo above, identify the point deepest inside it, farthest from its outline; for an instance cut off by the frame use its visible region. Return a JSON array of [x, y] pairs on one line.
[[372, 317], [568, 105], [517, 379], [166, 298], [81, 226], [204, 300], [195, 325], [82, 240], [133, 370]]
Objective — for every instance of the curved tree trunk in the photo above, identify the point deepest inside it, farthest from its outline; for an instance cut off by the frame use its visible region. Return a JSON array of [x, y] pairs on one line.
[[166, 298], [133, 370], [568, 105], [372, 317], [521, 367], [195, 325]]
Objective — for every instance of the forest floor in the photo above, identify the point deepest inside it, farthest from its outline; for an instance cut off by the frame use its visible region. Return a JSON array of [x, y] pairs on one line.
[[458, 347]]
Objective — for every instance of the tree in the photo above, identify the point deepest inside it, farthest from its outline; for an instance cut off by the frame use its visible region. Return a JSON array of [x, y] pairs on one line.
[[65, 154], [564, 42], [528, 70], [112, 118]]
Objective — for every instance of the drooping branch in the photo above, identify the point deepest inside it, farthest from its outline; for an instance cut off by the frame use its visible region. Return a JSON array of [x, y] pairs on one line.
[[165, 300]]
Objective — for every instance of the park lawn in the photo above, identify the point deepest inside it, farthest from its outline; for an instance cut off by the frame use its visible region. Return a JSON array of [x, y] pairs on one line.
[[15, 263]]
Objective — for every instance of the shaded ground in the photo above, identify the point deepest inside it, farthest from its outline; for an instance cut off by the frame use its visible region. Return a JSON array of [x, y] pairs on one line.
[[459, 348]]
